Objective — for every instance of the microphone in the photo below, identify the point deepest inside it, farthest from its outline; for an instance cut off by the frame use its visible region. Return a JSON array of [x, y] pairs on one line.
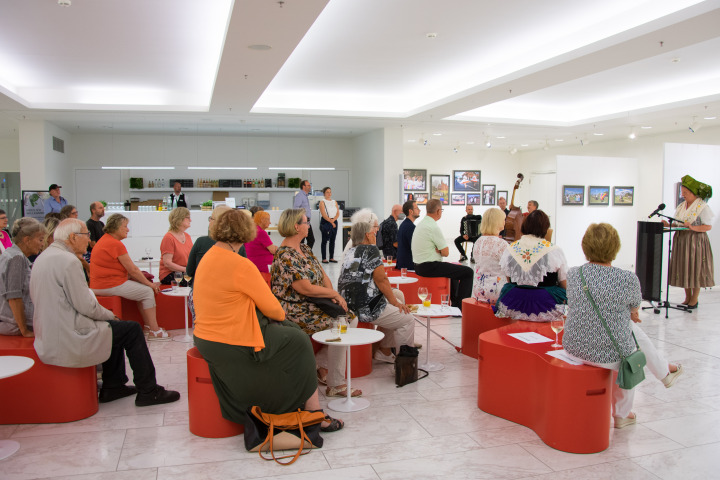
[[659, 208]]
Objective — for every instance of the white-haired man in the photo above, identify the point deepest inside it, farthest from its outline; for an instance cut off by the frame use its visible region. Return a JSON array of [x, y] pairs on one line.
[[73, 330]]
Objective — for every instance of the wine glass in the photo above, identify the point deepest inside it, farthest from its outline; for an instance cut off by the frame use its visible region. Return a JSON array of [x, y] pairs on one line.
[[187, 277], [178, 277], [422, 294], [557, 324], [147, 253]]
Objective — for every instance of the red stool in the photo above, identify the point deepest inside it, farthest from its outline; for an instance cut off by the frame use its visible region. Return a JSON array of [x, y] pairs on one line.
[[204, 407], [45, 393], [112, 303], [478, 317], [266, 276], [435, 285]]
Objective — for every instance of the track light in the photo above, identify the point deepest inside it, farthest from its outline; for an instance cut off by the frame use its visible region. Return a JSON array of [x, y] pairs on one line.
[[694, 126], [547, 145], [488, 144], [632, 135], [513, 151], [455, 150]]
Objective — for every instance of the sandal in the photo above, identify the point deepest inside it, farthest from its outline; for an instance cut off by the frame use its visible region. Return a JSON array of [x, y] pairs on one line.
[[322, 379], [159, 335], [332, 260], [324, 261], [341, 391], [624, 422], [334, 426]]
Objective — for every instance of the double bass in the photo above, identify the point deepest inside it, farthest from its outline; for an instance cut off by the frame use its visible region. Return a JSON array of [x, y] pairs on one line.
[[514, 219]]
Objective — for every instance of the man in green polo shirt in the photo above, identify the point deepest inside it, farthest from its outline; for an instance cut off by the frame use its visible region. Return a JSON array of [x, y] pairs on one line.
[[428, 249]]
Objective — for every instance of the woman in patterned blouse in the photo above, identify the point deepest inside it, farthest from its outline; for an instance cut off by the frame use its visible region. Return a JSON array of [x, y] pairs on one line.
[[537, 270], [297, 274], [616, 293], [487, 252]]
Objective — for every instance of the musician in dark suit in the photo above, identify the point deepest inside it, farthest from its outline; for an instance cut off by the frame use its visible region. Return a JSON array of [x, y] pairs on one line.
[[177, 198], [468, 231], [502, 205]]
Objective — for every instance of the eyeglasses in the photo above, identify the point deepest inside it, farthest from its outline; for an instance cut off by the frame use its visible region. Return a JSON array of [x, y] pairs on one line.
[[83, 233], [210, 219]]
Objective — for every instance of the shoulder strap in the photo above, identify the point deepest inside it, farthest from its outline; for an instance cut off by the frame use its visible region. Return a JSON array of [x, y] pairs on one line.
[[602, 319]]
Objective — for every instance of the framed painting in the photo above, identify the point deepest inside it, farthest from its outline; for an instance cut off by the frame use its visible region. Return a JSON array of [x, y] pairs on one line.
[[33, 203], [421, 198], [503, 194], [573, 195], [488, 194], [409, 196], [598, 195], [440, 188], [415, 180], [466, 180], [623, 196], [457, 199], [474, 198]]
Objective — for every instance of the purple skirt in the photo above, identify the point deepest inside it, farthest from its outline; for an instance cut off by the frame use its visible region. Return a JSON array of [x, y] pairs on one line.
[[534, 304]]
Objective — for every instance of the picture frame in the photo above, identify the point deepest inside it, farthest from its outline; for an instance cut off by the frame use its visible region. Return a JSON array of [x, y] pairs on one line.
[[488, 194], [623, 196], [409, 196], [466, 180], [598, 195], [503, 194], [440, 188], [474, 199], [573, 195], [415, 180], [678, 194], [457, 199], [33, 203], [421, 198]]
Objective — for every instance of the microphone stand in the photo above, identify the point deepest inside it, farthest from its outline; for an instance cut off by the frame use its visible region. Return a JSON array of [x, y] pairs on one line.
[[666, 304]]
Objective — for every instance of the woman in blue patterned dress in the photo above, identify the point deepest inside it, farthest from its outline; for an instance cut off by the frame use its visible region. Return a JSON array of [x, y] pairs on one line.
[[537, 270], [616, 293]]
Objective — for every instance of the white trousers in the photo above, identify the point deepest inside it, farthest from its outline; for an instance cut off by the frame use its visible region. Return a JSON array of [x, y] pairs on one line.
[[131, 290], [398, 327], [658, 366]]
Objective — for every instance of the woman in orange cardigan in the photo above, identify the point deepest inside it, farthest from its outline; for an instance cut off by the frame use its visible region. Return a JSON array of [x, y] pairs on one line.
[[256, 357]]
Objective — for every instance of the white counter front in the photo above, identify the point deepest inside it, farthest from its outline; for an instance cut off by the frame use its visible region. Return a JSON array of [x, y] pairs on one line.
[[148, 228]]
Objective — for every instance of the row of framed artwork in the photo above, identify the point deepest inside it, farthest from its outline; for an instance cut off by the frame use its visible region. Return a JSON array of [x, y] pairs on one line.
[[598, 195], [462, 198], [462, 180]]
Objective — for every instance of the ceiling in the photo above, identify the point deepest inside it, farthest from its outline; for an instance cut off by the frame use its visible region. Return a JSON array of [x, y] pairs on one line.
[[518, 74]]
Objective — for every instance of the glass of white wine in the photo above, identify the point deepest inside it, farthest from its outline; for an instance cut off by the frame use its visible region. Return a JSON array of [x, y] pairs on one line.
[[187, 277], [422, 294], [558, 324], [178, 277]]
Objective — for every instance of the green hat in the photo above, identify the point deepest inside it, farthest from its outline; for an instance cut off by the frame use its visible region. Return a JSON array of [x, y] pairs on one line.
[[702, 190]]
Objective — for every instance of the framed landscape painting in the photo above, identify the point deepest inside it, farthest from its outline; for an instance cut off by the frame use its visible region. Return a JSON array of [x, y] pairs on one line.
[[623, 196], [415, 180], [598, 195], [440, 188], [488, 194], [457, 199], [573, 195], [474, 199], [466, 180]]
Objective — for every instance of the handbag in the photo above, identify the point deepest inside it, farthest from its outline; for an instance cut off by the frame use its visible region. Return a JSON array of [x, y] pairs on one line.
[[328, 306], [630, 372], [406, 366], [287, 431]]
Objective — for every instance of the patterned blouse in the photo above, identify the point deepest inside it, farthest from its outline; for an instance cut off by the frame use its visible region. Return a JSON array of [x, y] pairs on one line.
[[489, 278], [289, 266], [356, 282], [527, 261], [615, 292]]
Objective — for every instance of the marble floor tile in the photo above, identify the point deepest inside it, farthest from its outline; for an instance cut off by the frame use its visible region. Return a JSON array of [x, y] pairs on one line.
[[503, 436], [661, 411], [446, 417], [491, 463], [689, 430], [7, 430], [92, 424], [249, 468], [176, 418], [620, 470], [694, 463], [68, 454], [144, 474], [355, 473], [126, 407]]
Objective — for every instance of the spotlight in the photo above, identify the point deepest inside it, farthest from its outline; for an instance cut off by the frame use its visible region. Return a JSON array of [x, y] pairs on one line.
[[513, 151], [694, 127], [632, 136], [426, 143], [455, 149], [488, 144]]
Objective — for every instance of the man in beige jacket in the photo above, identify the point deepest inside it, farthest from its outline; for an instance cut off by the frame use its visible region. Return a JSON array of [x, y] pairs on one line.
[[73, 330]]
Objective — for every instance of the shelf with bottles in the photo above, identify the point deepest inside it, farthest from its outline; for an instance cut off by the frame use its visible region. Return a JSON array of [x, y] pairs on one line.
[[218, 189]]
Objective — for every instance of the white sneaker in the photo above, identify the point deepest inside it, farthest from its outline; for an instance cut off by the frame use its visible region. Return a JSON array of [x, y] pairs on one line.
[[381, 357]]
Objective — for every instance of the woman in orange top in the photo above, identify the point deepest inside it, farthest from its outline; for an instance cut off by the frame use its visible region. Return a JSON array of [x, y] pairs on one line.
[[110, 268], [256, 357], [175, 246]]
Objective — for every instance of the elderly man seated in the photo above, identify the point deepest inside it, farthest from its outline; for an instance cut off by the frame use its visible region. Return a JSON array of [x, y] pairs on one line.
[[366, 289], [73, 330]]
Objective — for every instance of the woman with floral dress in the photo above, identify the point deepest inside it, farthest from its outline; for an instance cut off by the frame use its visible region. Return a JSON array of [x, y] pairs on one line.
[[489, 248]]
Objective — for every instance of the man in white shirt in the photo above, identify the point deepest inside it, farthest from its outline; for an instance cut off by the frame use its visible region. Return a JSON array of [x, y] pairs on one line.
[[428, 249], [177, 198]]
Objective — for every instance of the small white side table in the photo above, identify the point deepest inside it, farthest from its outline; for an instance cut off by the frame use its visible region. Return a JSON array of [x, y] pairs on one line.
[[354, 336], [433, 311], [10, 366], [149, 263], [185, 293], [398, 280]]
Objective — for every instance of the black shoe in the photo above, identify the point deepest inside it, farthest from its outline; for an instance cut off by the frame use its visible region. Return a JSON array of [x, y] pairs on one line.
[[463, 258], [693, 307], [156, 397], [111, 394], [472, 260]]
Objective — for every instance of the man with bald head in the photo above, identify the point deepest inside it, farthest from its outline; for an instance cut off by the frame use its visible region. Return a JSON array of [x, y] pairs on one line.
[[387, 237], [94, 225]]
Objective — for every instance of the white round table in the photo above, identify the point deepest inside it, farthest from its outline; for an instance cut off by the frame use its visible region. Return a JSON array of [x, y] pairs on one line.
[[354, 336], [434, 311], [11, 365], [149, 263], [185, 293], [398, 280]]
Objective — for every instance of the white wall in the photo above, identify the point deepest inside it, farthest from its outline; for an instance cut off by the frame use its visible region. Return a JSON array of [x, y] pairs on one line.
[[368, 172], [9, 155]]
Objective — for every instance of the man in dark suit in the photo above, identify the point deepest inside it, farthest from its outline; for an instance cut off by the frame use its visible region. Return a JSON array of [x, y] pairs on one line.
[[469, 232]]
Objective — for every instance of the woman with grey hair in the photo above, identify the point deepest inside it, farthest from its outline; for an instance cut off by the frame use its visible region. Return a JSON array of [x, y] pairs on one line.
[[367, 291], [112, 272], [364, 215], [16, 307]]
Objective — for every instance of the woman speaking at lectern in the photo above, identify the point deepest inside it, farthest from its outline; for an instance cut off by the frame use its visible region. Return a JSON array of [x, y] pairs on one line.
[[691, 264]]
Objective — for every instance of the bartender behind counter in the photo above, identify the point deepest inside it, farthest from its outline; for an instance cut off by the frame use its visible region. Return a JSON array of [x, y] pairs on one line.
[[177, 198]]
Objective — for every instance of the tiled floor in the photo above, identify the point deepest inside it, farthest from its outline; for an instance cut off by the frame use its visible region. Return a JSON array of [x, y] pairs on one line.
[[430, 429]]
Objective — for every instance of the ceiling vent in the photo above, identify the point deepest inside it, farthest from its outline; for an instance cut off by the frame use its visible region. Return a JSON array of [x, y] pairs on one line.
[[58, 145]]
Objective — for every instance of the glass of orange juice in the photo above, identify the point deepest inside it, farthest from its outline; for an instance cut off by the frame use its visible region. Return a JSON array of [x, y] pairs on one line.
[[426, 302]]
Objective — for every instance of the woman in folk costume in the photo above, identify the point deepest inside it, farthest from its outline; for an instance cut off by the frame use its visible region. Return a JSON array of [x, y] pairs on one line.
[[537, 271], [691, 263]]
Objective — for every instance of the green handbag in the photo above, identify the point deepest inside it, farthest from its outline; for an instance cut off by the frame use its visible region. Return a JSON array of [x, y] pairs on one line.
[[631, 371]]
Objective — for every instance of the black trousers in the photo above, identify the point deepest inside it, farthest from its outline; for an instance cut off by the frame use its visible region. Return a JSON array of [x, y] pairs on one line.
[[461, 278], [128, 338], [459, 244], [310, 239], [329, 233]]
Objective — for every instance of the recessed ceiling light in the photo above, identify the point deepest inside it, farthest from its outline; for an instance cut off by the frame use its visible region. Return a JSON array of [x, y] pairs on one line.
[[559, 140], [222, 168], [523, 144], [646, 127], [412, 141], [709, 118], [437, 134], [598, 134], [431, 35], [500, 137], [470, 143], [259, 47]]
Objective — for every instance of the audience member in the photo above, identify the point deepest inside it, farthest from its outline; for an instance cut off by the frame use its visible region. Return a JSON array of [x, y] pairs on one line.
[[55, 203], [467, 233], [301, 200], [94, 225], [531, 207], [175, 246], [260, 250], [254, 209], [488, 250], [5, 241], [69, 211], [405, 236], [389, 231]]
